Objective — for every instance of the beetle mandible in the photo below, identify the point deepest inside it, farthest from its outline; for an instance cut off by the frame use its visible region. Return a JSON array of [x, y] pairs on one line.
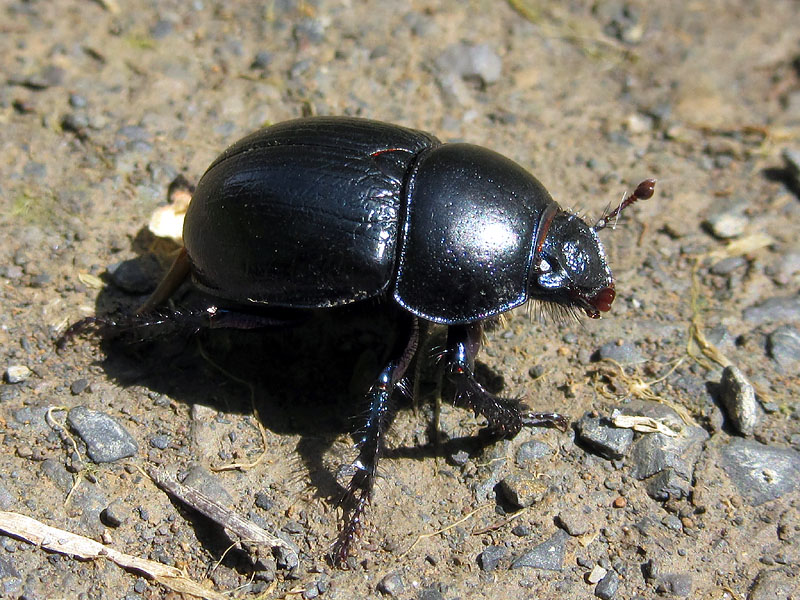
[[326, 211]]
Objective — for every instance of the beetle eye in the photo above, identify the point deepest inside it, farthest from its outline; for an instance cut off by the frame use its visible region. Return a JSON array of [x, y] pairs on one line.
[[544, 266]]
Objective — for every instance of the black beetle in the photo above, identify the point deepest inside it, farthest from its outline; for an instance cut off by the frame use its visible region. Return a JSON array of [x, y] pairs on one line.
[[321, 212]]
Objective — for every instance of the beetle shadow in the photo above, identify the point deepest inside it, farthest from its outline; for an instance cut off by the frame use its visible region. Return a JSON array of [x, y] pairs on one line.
[[309, 379]]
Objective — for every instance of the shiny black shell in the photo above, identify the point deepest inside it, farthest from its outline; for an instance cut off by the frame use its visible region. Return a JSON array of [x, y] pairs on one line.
[[327, 211]]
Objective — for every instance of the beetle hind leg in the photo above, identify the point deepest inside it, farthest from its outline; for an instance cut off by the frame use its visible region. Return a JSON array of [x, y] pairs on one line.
[[370, 443], [503, 414]]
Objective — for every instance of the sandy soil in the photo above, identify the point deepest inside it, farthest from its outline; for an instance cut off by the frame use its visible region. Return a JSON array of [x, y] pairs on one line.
[[103, 104]]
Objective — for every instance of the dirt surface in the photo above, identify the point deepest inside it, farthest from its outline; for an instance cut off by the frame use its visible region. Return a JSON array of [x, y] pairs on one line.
[[103, 104]]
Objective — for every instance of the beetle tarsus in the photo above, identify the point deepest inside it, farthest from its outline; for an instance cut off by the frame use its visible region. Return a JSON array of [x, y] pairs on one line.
[[463, 344], [87, 325], [370, 444], [504, 415], [545, 419]]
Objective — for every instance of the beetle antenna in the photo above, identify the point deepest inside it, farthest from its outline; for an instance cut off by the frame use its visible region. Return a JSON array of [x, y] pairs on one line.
[[643, 191]]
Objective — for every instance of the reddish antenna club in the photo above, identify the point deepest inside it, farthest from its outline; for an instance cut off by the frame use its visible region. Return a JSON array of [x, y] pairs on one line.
[[643, 191]]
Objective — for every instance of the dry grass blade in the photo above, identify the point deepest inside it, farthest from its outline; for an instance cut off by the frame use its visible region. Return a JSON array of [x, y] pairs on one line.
[[699, 347], [247, 531], [72, 544]]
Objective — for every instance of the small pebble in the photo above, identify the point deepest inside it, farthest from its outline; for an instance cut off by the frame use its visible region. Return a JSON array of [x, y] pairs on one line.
[[739, 399], [391, 585], [619, 502], [135, 276], [548, 555], [491, 557], [727, 225], [532, 451], [596, 574], [430, 594], [460, 458], [603, 437], [16, 373], [261, 60], [105, 439], [208, 483], [778, 308], [783, 346], [624, 353], [263, 501], [77, 101], [160, 442], [761, 473], [78, 386], [521, 530], [791, 157], [523, 490], [574, 521], [607, 587], [677, 584], [115, 514]]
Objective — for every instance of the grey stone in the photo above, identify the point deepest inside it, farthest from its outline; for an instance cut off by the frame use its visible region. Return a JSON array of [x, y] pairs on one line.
[[78, 386], [772, 585], [574, 521], [727, 225], [10, 579], [261, 60], [761, 473], [161, 29], [791, 157], [726, 266], [739, 399], [105, 439], [200, 479], [603, 437], [625, 353], [135, 276], [471, 62], [91, 501], [460, 458], [7, 499], [523, 490], [532, 451], [493, 459], [115, 514], [787, 266], [160, 442], [491, 557], [668, 484], [57, 473], [16, 373], [779, 308], [548, 555], [32, 418], [607, 587], [391, 585], [783, 346], [430, 594], [676, 584], [263, 501], [656, 452]]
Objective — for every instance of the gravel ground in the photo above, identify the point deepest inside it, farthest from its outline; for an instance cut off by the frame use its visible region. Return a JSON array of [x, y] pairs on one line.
[[103, 104]]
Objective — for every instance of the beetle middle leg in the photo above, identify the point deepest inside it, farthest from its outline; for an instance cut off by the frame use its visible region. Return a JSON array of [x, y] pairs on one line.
[[504, 415], [371, 440]]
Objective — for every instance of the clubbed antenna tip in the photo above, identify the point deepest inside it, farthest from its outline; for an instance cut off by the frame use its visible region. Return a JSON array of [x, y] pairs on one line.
[[643, 191]]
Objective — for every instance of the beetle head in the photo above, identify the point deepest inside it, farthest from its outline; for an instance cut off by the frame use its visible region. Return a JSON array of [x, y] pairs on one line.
[[569, 263]]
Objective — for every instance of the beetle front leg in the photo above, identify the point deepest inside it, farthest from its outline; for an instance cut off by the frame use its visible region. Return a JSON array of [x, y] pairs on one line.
[[371, 441], [504, 415]]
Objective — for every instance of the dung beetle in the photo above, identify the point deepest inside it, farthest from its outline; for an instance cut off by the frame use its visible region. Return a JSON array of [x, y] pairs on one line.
[[322, 212]]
